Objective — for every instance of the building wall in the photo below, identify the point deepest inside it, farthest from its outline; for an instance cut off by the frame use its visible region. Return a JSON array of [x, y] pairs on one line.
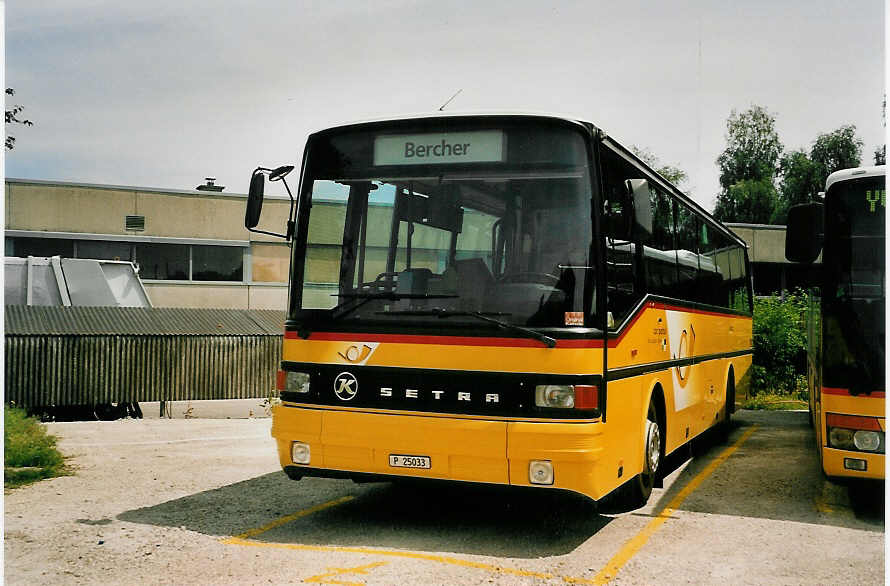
[[93, 216]]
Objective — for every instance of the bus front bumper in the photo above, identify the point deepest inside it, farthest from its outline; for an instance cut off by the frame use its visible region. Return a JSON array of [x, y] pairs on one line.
[[850, 464], [358, 445]]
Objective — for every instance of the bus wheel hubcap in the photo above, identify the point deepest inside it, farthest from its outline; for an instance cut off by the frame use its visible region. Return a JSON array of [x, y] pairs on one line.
[[653, 445]]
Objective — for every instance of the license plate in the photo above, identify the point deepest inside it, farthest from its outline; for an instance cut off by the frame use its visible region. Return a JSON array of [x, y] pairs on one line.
[[402, 461]]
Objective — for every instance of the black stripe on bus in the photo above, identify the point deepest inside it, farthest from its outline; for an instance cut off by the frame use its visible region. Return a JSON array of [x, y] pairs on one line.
[[632, 371]]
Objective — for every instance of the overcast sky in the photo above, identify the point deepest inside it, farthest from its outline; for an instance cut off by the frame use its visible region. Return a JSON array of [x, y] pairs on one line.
[[164, 93]]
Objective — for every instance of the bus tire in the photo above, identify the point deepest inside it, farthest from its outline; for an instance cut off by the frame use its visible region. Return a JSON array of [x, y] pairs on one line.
[[637, 491], [726, 425]]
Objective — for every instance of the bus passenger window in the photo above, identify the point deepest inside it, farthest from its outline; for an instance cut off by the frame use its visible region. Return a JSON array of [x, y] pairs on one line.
[[660, 255], [688, 230]]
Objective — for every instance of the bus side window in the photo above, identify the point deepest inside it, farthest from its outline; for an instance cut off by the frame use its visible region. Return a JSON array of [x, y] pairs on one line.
[[660, 253], [737, 274], [723, 247], [710, 281], [622, 292], [688, 230]]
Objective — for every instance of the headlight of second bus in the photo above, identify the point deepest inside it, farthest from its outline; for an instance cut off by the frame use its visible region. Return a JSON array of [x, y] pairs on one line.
[[853, 432]]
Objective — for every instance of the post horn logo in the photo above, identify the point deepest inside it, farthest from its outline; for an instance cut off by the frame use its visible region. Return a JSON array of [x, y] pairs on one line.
[[685, 350], [345, 386], [358, 353]]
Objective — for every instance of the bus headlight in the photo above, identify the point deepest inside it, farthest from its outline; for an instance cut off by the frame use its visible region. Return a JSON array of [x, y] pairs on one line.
[[559, 396], [841, 438], [567, 396], [293, 382], [854, 432], [867, 441]]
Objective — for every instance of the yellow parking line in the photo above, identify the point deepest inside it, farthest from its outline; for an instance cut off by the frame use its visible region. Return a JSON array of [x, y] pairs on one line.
[[328, 577], [289, 518], [611, 569], [409, 555]]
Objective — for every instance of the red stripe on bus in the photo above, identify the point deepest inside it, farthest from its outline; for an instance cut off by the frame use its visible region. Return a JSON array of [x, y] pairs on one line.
[[502, 342], [846, 392], [442, 340]]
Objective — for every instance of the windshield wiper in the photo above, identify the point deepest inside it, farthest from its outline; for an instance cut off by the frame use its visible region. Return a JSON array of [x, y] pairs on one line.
[[366, 296], [444, 313]]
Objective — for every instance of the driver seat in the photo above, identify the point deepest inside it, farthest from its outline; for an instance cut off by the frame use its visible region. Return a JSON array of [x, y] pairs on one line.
[[474, 282]]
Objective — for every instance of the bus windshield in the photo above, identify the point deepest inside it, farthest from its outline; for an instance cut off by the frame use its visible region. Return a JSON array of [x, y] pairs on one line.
[[410, 226], [855, 276]]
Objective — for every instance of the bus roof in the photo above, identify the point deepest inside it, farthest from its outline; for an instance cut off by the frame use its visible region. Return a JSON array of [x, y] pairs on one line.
[[846, 174], [459, 114]]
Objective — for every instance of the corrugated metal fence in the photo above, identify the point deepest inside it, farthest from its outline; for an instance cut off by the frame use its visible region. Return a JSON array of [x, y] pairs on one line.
[[89, 355]]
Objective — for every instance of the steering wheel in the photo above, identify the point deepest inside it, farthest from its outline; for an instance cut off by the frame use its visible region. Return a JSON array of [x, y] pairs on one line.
[[531, 277]]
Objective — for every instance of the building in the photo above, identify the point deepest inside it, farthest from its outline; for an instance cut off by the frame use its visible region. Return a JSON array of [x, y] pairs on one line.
[[192, 249], [770, 270]]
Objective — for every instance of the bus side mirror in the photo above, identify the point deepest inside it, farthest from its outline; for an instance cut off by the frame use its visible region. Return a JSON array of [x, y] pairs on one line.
[[255, 200], [804, 233], [642, 209]]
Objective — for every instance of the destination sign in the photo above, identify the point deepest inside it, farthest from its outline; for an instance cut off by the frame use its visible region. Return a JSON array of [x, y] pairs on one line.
[[485, 146]]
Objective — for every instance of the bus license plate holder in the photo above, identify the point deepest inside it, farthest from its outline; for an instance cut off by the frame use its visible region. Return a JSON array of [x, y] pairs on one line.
[[409, 461]]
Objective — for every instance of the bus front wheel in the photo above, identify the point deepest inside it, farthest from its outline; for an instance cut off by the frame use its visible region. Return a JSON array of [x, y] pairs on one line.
[[637, 491]]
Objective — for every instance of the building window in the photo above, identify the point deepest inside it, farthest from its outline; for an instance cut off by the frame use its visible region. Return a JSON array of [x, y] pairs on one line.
[[160, 261], [217, 263], [24, 247], [163, 261], [104, 250]]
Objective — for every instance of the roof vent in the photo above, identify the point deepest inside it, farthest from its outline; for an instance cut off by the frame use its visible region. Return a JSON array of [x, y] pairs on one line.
[[136, 223], [210, 186]]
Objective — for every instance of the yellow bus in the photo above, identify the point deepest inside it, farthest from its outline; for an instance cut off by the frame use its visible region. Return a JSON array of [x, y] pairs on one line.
[[845, 319], [505, 299]]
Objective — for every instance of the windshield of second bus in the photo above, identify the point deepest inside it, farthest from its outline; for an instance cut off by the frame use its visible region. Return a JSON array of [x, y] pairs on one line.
[[854, 285]]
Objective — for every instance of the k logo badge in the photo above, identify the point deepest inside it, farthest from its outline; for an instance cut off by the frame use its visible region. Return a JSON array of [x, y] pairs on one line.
[[345, 386]]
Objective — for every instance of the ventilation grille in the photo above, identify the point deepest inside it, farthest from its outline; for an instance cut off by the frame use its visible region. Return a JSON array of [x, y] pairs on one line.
[[135, 223]]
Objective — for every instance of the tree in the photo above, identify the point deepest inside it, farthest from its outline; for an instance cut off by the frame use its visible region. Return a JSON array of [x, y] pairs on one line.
[[752, 147], [880, 155], [12, 118], [801, 182], [751, 201], [840, 149], [675, 175], [803, 176], [748, 167]]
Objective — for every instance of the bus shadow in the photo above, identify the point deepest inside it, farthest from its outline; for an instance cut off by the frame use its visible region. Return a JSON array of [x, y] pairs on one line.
[[775, 474], [433, 517]]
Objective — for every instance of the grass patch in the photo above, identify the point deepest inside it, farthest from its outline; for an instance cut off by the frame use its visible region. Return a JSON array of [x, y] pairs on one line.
[[30, 453], [772, 402]]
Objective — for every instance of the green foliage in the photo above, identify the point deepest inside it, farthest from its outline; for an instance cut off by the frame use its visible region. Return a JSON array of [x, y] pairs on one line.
[[801, 182], [30, 453], [803, 175], [12, 117], [771, 402], [836, 150], [751, 201], [748, 167], [675, 175], [752, 147], [779, 342]]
